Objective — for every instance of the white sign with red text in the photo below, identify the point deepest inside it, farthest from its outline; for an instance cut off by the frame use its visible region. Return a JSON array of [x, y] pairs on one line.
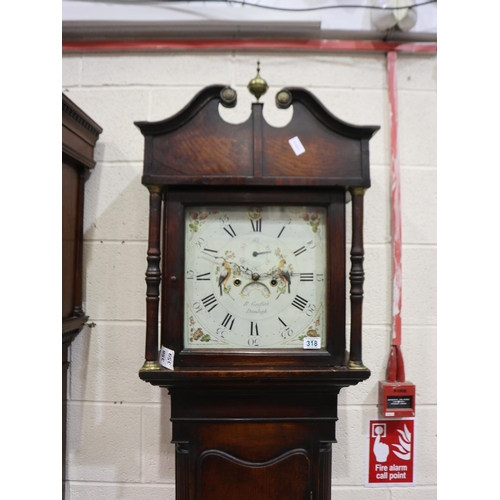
[[391, 450]]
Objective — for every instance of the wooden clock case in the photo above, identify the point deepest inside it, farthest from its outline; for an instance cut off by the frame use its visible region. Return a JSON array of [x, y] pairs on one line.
[[79, 137], [253, 424]]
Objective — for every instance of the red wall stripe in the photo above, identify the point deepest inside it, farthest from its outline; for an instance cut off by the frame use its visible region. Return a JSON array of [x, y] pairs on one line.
[[228, 44]]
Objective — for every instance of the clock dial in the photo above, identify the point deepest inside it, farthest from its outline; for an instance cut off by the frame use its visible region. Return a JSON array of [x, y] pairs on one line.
[[255, 276]]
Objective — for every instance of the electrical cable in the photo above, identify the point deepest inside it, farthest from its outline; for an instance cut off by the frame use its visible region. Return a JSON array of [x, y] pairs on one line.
[[306, 9]]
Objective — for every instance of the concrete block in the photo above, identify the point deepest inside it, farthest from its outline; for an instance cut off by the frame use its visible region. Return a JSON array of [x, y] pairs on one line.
[[377, 210], [158, 453], [105, 361], [415, 493], [71, 70], [121, 492], [419, 301], [313, 69], [116, 203], [426, 438], [353, 493], [167, 101], [349, 453], [419, 205], [103, 442], [417, 128], [419, 346], [115, 110], [417, 71], [377, 301], [114, 286], [167, 68]]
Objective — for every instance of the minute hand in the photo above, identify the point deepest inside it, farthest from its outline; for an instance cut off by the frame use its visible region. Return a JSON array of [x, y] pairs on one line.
[[241, 268]]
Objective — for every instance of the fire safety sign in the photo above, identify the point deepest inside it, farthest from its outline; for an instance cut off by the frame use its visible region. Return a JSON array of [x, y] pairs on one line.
[[391, 453]]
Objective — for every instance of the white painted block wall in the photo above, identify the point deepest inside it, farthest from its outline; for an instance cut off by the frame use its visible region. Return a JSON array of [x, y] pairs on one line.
[[118, 426]]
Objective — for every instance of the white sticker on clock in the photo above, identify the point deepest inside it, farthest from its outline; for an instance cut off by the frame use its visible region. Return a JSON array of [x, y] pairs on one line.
[[312, 343], [297, 146], [167, 358]]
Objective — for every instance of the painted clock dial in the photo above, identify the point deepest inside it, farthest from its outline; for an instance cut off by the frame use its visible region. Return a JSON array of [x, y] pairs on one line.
[[255, 276]]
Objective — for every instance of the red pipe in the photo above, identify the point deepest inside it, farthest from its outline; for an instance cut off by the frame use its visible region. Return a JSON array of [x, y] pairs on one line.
[[395, 367], [229, 44]]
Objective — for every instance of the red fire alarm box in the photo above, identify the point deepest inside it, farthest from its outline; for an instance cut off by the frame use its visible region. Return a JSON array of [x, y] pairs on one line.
[[396, 399]]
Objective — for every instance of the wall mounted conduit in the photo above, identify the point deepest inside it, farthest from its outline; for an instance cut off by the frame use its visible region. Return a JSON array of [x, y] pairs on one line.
[[228, 44]]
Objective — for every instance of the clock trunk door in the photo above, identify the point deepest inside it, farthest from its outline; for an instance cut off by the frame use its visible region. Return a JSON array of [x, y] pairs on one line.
[[222, 476]]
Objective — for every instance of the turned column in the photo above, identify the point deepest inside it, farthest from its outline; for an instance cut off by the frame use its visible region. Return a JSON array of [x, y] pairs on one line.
[[357, 278], [153, 278]]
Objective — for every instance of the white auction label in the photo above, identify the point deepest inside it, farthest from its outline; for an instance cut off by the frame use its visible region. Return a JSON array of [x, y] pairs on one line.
[[312, 343], [167, 358], [297, 146]]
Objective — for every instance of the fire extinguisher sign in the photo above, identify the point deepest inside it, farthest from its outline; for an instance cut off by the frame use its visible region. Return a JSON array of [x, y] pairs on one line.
[[391, 451]]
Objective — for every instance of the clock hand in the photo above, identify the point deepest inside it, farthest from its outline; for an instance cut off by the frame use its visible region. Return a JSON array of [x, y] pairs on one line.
[[254, 254], [215, 257], [241, 268]]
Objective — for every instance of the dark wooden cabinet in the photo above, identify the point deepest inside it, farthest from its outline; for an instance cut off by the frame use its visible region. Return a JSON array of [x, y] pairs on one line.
[[79, 136], [249, 421]]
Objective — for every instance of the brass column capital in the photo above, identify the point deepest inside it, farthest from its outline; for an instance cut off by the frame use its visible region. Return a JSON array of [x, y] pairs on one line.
[[151, 366], [358, 190], [154, 188]]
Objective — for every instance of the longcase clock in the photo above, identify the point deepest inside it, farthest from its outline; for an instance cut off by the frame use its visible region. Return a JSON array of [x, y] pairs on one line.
[[79, 137], [247, 252]]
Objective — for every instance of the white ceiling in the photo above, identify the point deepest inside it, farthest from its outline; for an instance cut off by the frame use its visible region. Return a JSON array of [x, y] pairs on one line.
[[91, 19]]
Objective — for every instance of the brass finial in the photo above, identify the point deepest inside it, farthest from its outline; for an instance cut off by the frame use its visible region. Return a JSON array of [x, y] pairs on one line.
[[258, 86]]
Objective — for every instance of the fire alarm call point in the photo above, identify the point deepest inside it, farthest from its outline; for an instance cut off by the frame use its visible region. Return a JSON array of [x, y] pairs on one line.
[[397, 399]]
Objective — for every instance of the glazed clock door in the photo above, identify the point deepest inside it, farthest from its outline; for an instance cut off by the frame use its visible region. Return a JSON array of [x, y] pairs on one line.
[[252, 282], [254, 277]]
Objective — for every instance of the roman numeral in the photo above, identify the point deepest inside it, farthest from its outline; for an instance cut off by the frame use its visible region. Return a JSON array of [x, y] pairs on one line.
[[229, 230], [256, 225], [299, 251], [306, 276], [227, 323], [299, 302], [282, 322], [282, 229], [252, 329], [207, 250], [203, 277], [208, 301]]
